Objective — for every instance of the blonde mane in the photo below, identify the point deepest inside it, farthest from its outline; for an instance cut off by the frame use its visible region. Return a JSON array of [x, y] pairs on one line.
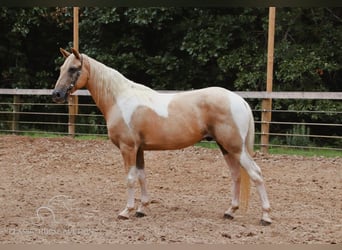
[[110, 82]]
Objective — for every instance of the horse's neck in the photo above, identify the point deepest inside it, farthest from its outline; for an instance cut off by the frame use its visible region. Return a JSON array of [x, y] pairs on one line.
[[106, 85]]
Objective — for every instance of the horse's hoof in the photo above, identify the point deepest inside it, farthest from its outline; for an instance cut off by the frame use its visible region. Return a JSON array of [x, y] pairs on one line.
[[228, 216], [265, 223], [140, 214], [121, 217]]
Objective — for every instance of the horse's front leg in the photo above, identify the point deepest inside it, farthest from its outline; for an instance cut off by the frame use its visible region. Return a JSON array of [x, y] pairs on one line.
[[129, 156], [134, 164], [142, 181]]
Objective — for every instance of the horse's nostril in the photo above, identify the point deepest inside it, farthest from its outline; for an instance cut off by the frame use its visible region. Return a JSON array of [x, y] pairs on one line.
[[56, 95]]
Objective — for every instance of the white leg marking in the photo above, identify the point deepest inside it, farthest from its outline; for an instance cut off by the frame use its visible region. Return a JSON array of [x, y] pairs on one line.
[[236, 187], [142, 181], [255, 173], [131, 179], [235, 172], [144, 193]]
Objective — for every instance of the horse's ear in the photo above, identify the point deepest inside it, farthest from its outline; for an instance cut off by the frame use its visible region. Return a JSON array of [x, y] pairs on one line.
[[64, 52], [76, 53]]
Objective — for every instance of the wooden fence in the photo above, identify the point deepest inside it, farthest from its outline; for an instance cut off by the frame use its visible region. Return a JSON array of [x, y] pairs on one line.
[[12, 103]]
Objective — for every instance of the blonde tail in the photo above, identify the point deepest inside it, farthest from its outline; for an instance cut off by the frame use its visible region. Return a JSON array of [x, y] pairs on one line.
[[245, 184], [244, 190]]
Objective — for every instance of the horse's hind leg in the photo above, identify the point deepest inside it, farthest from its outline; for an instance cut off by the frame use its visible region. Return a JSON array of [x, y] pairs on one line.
[[234, 168], [254, 172], [236, 179]]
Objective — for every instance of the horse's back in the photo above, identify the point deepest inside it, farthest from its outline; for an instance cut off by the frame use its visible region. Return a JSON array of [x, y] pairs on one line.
[[213, 108], [216, 99]]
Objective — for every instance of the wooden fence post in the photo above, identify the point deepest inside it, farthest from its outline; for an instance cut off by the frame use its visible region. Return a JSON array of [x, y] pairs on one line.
[[73, 110], [73, 99], [266, 114], [15, 116]]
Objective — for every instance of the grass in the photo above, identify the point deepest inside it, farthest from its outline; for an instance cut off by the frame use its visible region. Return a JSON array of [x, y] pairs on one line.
[[211, 145], [91, 137], [38, 134], [41, 134], [287, 151], [306, 152]]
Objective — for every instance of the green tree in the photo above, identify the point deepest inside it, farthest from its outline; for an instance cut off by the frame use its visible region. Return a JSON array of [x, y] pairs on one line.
[[183, 48], [28, 41]]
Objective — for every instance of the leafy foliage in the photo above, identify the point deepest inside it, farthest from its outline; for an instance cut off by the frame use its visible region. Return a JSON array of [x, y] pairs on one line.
[[181, 48], [178, 48]]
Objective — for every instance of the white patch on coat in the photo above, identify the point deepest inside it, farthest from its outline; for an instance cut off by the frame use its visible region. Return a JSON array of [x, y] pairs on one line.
[[159, 103], [241, 113]]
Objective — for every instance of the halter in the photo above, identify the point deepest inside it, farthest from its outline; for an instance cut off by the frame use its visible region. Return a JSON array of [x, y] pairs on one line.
[[78, 73]]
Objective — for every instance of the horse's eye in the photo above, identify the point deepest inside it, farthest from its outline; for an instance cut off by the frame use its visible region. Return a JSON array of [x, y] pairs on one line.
[[72, 70]]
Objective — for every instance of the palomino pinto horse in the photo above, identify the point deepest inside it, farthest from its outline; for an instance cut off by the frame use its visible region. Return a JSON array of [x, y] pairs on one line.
[[139, 118]]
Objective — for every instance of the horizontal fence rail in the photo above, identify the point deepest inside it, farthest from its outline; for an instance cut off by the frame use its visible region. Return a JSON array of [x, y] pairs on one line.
[[31, 111], [244, 94]]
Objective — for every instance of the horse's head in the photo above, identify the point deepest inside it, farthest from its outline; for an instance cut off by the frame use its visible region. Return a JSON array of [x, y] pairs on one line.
[[73, 75]]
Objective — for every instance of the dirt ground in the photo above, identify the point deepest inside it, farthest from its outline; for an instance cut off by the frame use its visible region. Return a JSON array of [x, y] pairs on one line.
[[62, 190]]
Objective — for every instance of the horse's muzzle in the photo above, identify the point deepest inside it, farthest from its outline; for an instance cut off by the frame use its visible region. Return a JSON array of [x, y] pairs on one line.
[[59, 96]]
